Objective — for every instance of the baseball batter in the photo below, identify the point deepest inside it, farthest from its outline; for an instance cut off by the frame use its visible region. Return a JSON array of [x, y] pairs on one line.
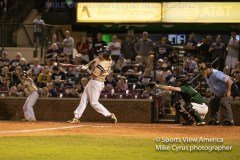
[[101, 67], [31, 88]]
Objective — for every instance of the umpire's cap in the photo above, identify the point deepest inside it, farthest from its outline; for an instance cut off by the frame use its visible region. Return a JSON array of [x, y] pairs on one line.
[[105, 50]]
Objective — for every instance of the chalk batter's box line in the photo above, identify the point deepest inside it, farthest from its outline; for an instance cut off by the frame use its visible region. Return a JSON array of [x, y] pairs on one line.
[[52, 129]]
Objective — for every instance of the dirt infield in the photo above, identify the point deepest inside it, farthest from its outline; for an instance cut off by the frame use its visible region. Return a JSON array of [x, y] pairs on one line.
[[13, 128]]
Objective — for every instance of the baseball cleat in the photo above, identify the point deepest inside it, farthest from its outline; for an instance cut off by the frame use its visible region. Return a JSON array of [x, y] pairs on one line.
[[200, 124], [113, 118], [74, 121], [227, 123], [188, 123], [30, 120], [213, 123]]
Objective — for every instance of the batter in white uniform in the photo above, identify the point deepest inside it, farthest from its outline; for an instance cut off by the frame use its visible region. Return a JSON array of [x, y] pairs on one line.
[[31, 88], [101, 68]]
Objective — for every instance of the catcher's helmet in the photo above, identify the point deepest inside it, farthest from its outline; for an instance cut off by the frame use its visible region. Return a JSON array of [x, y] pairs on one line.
[[105, 50], [183, 79]]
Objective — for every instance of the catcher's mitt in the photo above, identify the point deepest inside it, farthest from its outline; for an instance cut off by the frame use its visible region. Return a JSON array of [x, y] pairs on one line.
[[150, 86]]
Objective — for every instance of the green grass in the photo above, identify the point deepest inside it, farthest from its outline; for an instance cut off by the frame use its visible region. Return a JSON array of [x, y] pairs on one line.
[[85, 147]]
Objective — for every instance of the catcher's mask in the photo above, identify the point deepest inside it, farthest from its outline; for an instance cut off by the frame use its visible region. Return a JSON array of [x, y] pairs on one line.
[[183, 80], [105, 50]]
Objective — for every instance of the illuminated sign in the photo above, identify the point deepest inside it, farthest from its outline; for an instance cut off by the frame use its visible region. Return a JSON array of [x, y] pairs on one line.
[[118, 12], [201, 12]]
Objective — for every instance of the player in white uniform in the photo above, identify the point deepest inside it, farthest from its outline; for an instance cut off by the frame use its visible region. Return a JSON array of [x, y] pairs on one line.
[[101, 67], [31, 88]]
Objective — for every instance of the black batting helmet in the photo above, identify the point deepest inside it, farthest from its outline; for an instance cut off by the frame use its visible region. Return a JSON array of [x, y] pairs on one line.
[[105, 50]]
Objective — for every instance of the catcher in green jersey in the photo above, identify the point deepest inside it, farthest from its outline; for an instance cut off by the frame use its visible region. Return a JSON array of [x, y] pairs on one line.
[[193, 108]]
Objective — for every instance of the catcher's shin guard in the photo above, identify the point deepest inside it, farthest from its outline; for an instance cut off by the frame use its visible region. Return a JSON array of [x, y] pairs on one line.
[[195, 115], [181, 110]]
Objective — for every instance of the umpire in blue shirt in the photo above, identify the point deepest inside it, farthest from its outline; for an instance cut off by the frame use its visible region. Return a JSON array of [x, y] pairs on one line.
[[220, 85]]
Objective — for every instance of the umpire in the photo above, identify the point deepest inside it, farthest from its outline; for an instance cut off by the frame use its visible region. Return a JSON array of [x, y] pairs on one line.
[[220, 85]]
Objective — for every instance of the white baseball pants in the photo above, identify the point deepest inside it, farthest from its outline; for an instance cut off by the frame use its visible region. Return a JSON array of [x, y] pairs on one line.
[[202, 109], [91, 94], [28, 106]]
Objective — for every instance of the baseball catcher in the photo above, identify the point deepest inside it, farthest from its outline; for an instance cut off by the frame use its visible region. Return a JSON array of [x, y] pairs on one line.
[[193, 109], [100, 68]]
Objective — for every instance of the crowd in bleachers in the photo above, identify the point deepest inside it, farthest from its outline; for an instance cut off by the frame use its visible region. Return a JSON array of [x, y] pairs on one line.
[[133, 63]]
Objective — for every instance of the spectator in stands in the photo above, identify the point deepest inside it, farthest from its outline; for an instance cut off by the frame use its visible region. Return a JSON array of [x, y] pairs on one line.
[[236, 70], [134, 75], [38, 29], [4, 60], [127, 49], [163, 48], [191, 66], [233, 51], [115, 47], [35, 69], [227, 70], [44, 92], [83, 48], [150, 62], [5, 76], [58, 77], [144, 47], [122, 62], [218, 50], [138, 60], [110, 82], [49, 64], [162, 75], [44, 77], [13, 92], [204, 50], [70, 74], [97, 44], [15, 76], [23, 64], [54, 39], [146, 77], [190, 45], [52, 91], [159, 64], [90, 42], [122, 84], [54, 52], [68, 44], [15, 62]]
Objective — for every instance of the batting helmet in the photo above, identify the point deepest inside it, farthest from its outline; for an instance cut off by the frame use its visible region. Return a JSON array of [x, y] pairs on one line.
[[105, 50]]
